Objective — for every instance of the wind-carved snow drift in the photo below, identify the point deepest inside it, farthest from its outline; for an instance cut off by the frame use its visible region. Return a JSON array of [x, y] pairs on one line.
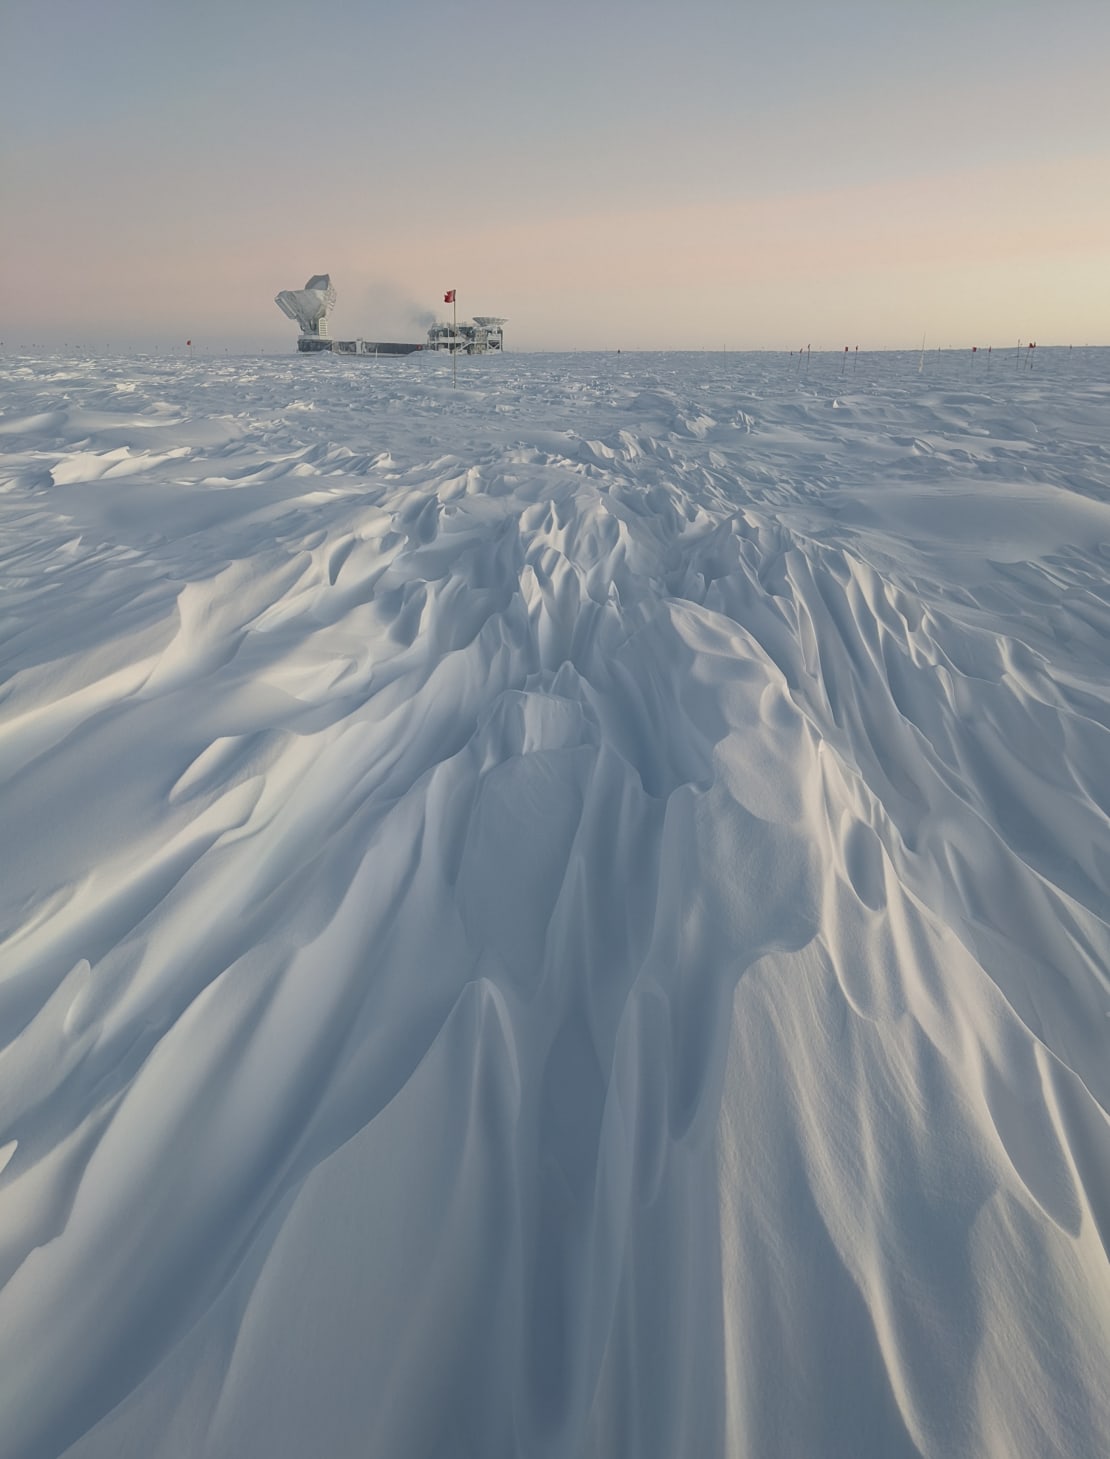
[[562, 918]]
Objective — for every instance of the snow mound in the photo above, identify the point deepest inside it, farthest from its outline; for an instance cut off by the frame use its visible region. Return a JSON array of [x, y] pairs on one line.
[[566, 917]]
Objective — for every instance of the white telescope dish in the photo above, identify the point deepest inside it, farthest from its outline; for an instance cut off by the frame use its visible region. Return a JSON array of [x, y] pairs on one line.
[[309, 305]]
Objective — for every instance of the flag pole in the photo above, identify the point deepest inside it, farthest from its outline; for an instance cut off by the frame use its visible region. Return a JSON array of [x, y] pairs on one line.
[[454, 339]]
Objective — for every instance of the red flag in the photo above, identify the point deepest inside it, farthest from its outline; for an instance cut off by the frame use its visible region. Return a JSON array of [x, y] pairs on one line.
[[189, 343], [449, 297]]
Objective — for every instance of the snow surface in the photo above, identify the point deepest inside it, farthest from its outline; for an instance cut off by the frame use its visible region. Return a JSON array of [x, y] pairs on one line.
[[562, 917]]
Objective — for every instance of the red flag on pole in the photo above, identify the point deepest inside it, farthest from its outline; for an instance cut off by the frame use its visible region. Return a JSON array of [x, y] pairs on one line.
[[189, 342], [449, 297]]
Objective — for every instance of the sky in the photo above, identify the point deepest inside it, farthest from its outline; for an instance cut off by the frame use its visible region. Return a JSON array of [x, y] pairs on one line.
[[607, 174]]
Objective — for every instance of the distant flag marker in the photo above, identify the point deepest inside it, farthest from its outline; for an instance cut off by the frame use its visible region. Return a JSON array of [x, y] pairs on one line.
[[449, 298]]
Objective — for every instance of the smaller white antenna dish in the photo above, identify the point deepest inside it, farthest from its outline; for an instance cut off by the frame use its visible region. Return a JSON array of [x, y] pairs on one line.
[[309, 305]]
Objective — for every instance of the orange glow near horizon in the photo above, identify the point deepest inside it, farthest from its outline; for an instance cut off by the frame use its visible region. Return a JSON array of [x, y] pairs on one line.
[[794, 175]]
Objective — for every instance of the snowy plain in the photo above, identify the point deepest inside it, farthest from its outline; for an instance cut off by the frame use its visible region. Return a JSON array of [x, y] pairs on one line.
[[564, 916]]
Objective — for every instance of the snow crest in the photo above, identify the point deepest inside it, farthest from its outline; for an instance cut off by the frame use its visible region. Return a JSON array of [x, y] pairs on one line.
[[562, 917]]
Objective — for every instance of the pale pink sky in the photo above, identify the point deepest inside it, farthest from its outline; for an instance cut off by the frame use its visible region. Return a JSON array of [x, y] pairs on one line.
[[648, 175]]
